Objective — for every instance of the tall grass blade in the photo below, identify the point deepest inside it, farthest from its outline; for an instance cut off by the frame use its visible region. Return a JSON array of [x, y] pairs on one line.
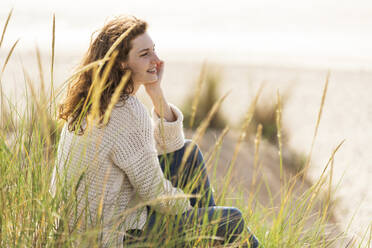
[[257, 142], [41, 73], [52, 61], [115, 97], [40, 103], [308, 160], [243, 133], [245, 125], [68, 81], [3, 112], [212, 153], [316, 188], [196, 98], [117, 42], [279, 135], [5, 26], [331, 158], [7, 58], [202, 128], [98, 87]]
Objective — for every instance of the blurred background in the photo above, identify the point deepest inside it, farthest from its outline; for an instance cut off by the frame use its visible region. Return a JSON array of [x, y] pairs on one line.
[[286, 45]]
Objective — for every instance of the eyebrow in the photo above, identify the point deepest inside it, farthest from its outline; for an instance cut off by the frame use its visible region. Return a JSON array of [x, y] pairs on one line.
[[146, 49]]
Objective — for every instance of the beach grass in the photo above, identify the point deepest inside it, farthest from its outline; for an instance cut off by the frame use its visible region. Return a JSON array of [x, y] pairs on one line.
[[31, 216]]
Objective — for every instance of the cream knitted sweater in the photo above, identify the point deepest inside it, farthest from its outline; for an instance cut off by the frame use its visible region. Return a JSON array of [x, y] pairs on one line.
[[120, 169]]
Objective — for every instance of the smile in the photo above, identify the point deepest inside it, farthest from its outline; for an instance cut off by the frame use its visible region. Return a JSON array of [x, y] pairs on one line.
[[153, 70]]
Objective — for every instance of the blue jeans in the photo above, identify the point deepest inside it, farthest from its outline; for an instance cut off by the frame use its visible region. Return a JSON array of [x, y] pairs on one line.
[[192, 178]]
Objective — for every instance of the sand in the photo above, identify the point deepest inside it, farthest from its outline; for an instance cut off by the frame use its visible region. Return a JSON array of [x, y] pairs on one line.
[[347, 115]]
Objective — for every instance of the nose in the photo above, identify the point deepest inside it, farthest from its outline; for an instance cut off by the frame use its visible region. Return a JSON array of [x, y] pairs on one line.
[[155, 58]]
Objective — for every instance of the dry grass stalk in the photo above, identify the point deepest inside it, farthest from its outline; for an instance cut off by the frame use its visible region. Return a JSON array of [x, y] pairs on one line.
[[244, 128], [91, 66], [41, 75], [8, 57], [5, 26], [42, 104], [162, 131], [41, 109], [3, 111], [303, 172], [331, 159], [100, 205], [257, 142], [212, 154], [97, 71], [196, 98], [279, 135], [200, 131], [328, 199], [115, 97], [315, 189], [308, 160], [98, 86], [245, 125], [52, 64]]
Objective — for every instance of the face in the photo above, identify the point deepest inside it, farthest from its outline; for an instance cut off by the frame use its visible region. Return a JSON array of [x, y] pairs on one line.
[[142, 60]]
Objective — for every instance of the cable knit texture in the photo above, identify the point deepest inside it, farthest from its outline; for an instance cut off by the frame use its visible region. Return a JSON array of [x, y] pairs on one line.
[[115, 168], [168, 135]]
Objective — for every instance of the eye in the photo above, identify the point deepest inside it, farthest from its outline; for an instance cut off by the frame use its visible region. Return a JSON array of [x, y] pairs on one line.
[[144, 54]]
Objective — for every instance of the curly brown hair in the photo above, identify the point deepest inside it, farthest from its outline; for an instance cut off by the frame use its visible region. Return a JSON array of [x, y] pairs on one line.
[[73, 109]]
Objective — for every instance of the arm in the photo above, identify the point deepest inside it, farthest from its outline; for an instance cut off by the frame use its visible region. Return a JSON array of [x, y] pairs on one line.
[[156, 94], [161, 106], [168, 119], [135, 154], [169, 136]]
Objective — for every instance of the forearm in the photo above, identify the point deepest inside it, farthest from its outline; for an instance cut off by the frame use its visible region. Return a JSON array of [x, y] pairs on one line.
[[161, 106]]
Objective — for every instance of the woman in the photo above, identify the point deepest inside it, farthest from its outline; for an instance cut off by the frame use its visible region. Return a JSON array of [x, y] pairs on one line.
[[121, 184]]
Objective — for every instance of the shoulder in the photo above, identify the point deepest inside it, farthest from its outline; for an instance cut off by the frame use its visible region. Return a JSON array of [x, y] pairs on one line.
[[129, 116], [131, 129]]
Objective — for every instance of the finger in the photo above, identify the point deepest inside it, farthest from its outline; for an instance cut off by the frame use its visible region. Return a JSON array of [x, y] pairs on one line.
[[160, 64]]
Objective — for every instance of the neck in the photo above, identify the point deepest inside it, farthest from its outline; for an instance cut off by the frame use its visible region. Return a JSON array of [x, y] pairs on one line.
[[135, 88]]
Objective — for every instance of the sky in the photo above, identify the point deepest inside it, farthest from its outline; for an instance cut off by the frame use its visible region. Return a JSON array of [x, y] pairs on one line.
[[327, 32]]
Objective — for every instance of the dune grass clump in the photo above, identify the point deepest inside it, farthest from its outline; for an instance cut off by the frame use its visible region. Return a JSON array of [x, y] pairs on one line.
[[197, 105], [7, 123], [32, 216], [265, 114]]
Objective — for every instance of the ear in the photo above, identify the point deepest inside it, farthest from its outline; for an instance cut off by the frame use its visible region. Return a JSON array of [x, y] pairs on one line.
[[124, 65]]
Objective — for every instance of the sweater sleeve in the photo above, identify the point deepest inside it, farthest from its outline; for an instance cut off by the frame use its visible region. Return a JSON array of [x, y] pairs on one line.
[[169, 136], [135, 154]]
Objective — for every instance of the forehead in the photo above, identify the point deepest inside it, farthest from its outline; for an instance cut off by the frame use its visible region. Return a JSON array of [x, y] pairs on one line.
[[142, 41]]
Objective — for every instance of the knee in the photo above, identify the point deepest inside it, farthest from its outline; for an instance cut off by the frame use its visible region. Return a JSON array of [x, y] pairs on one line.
[[236, 221], [189, 142], [232, 224], [196, 154]]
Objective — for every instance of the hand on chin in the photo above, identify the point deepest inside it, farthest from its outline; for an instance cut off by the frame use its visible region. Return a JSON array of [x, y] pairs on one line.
[[152, 87]]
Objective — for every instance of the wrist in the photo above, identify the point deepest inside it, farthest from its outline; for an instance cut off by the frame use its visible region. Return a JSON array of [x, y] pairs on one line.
[[155, 94]]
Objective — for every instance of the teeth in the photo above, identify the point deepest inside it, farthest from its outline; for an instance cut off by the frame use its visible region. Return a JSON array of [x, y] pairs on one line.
[[152, 70]]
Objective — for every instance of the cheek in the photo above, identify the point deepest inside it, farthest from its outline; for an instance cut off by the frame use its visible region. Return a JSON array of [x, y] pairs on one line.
[[139, 67]]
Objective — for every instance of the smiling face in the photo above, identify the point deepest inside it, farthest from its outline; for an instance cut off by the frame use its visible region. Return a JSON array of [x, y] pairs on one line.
[[142, 60]]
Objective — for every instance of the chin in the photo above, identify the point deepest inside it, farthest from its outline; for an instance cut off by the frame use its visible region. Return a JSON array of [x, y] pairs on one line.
[[151, 80]]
